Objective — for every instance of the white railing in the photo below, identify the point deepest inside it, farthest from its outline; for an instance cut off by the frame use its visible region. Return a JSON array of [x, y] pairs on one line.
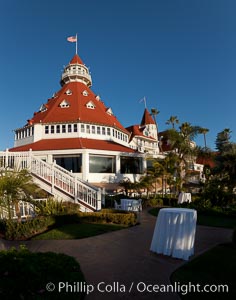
[[26, 210], [58, 180], [76, 73]]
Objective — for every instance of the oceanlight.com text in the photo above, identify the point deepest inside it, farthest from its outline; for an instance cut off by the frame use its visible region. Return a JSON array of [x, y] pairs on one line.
[[140, 287]]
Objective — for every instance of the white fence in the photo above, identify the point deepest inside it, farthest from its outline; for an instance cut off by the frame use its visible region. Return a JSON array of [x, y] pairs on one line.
[[27, 210]]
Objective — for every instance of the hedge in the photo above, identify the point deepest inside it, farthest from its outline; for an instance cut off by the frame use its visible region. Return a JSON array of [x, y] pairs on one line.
[[13, 230], [122, 218]]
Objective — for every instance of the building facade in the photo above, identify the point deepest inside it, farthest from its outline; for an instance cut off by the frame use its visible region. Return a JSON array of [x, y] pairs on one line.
[[77, 131]]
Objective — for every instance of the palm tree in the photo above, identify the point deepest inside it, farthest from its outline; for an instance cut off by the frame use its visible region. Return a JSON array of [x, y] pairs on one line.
[[16, 186], [172, 120], [204, 131], [126, 184], [146, 182], [166, 169], [189, 131], [160, 171], [181, 143]]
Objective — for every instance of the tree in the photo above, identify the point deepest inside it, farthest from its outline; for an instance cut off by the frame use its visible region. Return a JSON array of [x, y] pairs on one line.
[[189, 131], [16, 186], [172, 120], [226, 159], [204, 131], [166, 169], [126, 184], [146, 183], [154, 113], [219, 187], [181, 142], [223, 140], [206, 157]]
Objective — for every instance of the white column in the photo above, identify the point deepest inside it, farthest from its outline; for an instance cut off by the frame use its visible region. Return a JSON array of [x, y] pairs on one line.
[[118, 164], [85, 166], [6, 158]]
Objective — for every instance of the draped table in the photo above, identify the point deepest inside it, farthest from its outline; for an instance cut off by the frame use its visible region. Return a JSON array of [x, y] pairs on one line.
[[184, 197], [174, 232], [131, 204]]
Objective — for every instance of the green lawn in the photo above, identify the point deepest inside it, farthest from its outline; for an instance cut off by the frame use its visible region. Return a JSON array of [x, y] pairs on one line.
[[215, 220], [215, 267], [77, 231]]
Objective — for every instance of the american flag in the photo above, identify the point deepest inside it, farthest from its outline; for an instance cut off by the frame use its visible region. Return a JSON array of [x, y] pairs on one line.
[[72, 39]]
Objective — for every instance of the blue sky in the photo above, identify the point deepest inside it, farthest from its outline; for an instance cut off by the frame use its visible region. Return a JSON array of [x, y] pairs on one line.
[[179, 54]]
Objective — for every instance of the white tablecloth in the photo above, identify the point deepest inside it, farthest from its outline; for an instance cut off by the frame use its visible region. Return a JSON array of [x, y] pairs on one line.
[[184, 197], [174, 232], [131, 204]]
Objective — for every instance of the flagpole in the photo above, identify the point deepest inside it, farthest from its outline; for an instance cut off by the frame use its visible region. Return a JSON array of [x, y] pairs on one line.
[[76, 45], [144, 100]]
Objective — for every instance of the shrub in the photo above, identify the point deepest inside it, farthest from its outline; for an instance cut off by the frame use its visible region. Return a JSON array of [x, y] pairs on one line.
[[123, 218], [21, 231], [216, 195], [25, 275], [152, 202], [55, 207]]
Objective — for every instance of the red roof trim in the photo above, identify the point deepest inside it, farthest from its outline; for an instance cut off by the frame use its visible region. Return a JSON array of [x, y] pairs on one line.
[[73, 143]]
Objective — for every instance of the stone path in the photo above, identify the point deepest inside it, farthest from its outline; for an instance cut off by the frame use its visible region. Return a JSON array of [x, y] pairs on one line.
[[122, 258]]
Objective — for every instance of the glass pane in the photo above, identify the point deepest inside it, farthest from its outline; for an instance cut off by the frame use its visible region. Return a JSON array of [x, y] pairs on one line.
[[101, 164], [70, 163], [131, 165]]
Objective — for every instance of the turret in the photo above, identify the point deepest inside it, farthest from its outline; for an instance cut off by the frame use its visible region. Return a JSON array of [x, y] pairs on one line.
[[76, 71]]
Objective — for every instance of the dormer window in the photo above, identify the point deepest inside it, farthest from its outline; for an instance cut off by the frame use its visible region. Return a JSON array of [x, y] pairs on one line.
[[90, 105], [43, 108], [68, 92], [85, 93], [64, 104], [109, 111]]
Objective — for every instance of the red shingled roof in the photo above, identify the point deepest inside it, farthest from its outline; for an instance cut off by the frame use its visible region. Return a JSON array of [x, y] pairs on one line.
[[206, 161], [137, 130], [77, 109], [73, 143]]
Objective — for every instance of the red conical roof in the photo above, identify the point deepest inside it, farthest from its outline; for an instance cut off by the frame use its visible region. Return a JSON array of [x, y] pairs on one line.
[[147, 118], [76, 60]]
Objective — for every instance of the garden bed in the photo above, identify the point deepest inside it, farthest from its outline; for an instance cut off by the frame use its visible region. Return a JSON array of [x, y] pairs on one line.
[[13, 230]]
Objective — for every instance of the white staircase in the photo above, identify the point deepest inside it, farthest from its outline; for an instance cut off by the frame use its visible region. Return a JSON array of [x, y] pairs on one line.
[[54, 179]]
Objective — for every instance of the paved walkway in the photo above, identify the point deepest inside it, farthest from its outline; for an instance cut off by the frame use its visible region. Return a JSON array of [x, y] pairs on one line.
[[123, 257]]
